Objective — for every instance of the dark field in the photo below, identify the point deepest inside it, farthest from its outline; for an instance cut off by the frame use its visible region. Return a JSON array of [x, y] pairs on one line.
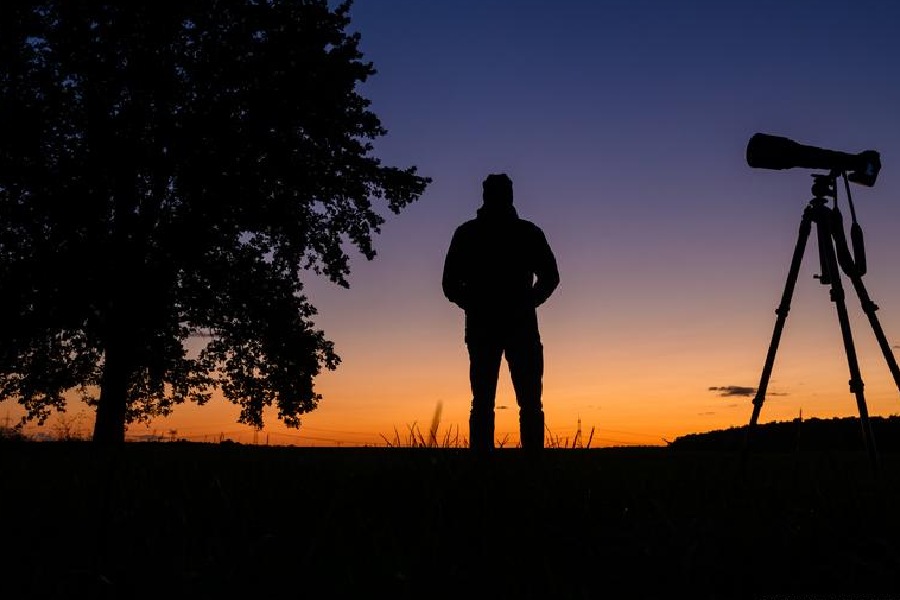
[[213, 521]]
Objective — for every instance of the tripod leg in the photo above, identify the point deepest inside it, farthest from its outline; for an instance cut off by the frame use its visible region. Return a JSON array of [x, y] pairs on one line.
[[854, 274], [869, 308], [782, 311], [830, 267]]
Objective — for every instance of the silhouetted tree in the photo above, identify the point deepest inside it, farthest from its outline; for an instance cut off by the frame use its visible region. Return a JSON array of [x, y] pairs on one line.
[[167, 172]]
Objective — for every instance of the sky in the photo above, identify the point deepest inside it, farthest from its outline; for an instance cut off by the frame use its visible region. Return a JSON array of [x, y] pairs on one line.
[[623, 126]]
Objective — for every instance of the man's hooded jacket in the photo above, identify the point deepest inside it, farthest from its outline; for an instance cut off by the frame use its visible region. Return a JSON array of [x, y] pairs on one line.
[[499, 267]]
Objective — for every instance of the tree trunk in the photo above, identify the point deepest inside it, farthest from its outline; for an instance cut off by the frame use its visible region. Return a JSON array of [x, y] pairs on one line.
[[109, 427]]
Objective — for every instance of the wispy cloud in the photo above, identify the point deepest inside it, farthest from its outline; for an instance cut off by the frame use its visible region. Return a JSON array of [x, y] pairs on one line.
[[727, 391], [708, 413], [741, 391]]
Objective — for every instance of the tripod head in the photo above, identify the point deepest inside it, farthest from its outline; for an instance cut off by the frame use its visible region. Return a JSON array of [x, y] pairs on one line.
[[824, 187]]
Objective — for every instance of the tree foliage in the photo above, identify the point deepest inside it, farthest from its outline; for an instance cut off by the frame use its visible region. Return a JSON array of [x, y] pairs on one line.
[[168, 172]]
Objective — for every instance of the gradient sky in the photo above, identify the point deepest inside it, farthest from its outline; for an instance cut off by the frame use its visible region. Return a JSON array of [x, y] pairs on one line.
[[623, 126]]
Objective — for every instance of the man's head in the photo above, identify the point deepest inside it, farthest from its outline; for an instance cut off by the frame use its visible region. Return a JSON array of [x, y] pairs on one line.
[[497, 189]]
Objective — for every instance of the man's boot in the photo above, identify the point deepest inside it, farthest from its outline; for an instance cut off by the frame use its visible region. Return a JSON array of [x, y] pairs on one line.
[[481, 432], [531, 430]]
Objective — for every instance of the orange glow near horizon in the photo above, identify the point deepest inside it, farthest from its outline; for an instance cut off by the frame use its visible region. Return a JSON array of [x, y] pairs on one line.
[[623, 394]]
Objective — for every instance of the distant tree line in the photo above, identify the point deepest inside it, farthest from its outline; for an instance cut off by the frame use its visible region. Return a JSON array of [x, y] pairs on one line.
[[843, 433]]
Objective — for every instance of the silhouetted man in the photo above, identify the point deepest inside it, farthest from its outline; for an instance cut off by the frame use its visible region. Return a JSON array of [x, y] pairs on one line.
[[499, 269]]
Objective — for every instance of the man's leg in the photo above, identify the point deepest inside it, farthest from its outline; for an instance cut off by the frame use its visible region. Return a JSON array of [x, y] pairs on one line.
[[484, 368], [526, 368]]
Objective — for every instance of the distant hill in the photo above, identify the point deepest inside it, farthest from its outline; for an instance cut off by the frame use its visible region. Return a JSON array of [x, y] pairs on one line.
[[807, 434]]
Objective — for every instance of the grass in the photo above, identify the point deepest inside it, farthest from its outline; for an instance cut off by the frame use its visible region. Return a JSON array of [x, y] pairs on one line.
[[154, 520], [451, 437]]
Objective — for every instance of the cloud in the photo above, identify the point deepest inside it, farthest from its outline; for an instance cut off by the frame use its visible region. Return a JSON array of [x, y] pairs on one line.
[[727, 391], [739, 391], [708, 413]]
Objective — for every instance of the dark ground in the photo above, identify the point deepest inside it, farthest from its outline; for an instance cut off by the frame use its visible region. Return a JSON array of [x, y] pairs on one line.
[[224, 520]]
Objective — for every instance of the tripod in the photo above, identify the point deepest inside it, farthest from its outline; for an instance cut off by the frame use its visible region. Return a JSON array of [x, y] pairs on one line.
[[833, 253]]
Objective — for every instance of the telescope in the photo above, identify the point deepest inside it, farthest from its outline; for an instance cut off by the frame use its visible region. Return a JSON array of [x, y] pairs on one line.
[[766, 151]]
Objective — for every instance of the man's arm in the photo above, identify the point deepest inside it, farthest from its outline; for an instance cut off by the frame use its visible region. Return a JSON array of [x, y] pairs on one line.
[[545, 270], [453, 282]]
